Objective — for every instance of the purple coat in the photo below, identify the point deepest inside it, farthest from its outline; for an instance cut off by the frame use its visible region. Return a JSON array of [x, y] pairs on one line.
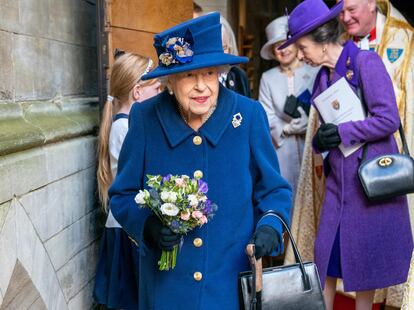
[[375, 237]]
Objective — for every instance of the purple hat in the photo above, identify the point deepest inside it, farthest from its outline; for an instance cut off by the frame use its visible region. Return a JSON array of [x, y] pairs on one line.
[[307, 16]]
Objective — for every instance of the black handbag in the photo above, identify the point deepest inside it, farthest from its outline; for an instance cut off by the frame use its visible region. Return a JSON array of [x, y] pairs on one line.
[[387, 176], [290, 287]]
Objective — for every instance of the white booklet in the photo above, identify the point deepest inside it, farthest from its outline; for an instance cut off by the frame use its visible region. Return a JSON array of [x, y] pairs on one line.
[[339, 104]]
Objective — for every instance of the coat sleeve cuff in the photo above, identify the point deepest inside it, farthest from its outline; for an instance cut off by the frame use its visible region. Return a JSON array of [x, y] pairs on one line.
[[344, 133]]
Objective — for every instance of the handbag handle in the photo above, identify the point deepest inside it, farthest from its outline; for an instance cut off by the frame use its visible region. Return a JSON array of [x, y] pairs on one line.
[[257, 265], [298, 258]]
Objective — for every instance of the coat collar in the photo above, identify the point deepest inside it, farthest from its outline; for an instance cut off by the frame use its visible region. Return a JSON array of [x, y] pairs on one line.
[[322, 81], [346, 65], [176, 130]]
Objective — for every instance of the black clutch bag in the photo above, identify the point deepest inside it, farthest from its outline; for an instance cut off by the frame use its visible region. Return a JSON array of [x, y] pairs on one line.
[[387, 176], [289, 287], [292, 103], [291, 106]]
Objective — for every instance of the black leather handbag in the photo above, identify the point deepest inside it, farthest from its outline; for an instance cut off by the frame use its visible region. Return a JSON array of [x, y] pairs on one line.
[[290, 287], [387, 176]]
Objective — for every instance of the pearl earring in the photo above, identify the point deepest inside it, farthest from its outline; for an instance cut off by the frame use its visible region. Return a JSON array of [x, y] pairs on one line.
[[170, 92]]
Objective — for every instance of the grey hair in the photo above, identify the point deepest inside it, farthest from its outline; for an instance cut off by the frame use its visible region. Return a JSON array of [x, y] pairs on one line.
[[329, 32], [220, 69], [227, 36]]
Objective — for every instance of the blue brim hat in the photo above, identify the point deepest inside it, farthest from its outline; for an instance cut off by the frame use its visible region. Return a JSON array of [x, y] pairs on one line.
[[307, 16], [191, 45]]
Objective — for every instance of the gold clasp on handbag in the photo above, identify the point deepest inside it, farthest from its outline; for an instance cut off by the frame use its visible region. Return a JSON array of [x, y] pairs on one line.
[[385, 161]]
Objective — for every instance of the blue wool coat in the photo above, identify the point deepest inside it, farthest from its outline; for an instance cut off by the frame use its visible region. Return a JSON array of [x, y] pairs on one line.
[[242, 171], [375, 237]]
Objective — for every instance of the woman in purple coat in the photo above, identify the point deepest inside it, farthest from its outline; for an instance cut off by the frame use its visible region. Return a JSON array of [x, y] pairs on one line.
[[366, 244]]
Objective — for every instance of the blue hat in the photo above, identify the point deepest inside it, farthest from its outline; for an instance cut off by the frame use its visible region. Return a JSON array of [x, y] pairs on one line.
[[307, 16], [191, 45]]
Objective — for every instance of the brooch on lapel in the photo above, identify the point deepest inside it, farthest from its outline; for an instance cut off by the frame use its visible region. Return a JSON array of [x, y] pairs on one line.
[[349, 73], [237, 119]]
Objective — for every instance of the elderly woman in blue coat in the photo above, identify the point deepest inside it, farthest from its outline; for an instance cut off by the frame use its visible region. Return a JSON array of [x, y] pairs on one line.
[[198, 127], [367, 244]]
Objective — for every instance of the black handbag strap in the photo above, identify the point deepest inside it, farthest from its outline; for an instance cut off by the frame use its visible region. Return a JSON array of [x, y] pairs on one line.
[[400, 129], [404, 145], [298, 259]]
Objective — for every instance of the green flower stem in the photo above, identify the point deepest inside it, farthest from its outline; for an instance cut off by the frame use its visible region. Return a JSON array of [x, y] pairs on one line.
[[168, 259], [174, 256]]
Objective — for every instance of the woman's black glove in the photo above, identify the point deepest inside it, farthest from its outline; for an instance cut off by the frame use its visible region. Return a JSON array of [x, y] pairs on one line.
[[159, 235], [265, 241], [327, 137]]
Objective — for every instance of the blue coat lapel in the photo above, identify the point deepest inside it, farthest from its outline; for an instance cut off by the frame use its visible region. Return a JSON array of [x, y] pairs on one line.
[[175, 129]]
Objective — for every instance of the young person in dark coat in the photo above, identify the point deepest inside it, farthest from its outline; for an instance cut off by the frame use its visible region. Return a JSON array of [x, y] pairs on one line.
[[356, 237]]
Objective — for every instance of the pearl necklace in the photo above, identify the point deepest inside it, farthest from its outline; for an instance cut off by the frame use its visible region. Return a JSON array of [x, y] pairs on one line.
[[205, 118]]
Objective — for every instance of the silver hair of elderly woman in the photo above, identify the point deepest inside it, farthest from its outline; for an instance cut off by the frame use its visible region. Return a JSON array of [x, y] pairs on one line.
[[221, 69], [228, 37]]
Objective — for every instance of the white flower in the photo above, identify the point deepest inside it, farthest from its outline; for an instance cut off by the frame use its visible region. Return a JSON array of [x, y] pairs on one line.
[[168, 196], [193, 201], [141, 196], [203, 198], [169, 209], [173, 197], [165, 196]]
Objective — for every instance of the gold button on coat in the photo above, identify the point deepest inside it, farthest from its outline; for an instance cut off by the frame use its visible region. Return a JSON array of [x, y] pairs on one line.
[[198, 174], [198, 242], [197, 140], [198, 276]]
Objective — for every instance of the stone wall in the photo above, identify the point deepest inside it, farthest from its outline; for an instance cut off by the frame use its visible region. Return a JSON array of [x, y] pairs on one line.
[[49, 219]]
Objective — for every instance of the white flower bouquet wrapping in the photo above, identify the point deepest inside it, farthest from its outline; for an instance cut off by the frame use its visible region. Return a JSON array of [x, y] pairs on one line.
[[180, 203]]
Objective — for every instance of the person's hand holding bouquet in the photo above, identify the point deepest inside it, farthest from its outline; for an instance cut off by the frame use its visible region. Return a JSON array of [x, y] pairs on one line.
[[179, 204]]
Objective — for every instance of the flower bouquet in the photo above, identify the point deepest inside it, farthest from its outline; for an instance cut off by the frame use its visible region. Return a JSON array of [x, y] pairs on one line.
[[180, 203]]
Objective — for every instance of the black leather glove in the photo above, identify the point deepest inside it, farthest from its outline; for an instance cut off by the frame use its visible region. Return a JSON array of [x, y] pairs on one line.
[[327, 137], [265, 241], [159, 235]]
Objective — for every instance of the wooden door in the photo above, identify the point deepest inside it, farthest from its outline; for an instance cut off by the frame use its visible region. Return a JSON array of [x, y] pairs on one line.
[[130, 25]]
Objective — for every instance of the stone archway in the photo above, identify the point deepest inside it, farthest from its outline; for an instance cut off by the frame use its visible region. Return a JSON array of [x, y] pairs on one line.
[[27, 276], [21, 292]]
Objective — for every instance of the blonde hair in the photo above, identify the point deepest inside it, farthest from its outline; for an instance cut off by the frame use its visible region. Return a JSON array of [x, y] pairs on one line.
[[126, 72], [228, 37]]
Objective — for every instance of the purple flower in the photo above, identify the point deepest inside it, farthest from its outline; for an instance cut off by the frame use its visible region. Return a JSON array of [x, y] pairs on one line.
[[207, 210], [202, 187], [166, 178], [175, 224], [207, 207]]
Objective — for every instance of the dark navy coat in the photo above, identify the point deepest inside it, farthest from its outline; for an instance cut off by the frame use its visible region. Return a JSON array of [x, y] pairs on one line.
[[242, 171]]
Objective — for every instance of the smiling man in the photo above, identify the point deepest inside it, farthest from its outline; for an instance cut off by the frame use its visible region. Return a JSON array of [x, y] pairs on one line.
[[378, 26]]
